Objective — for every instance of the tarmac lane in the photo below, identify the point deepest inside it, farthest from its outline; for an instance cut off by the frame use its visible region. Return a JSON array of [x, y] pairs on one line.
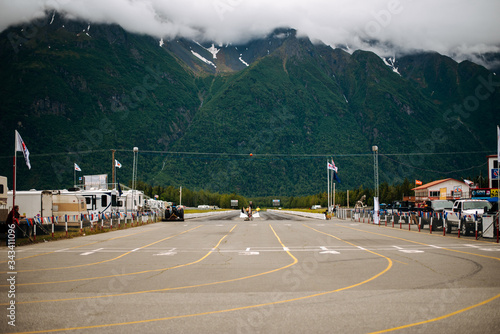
[[275, 274]]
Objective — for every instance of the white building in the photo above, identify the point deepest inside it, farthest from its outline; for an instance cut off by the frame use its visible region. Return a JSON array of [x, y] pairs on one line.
[[493, 171], [442, 189]]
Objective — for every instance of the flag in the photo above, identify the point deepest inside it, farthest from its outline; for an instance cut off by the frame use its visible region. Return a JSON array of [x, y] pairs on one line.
[[334, 167], [418, 183], [20, 146], [77, 168], [469, 182], [336, 177], [120, 192], [329, 165], [117, 164]]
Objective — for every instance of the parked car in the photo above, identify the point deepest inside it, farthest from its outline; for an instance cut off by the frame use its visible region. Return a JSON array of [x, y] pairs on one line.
[[429, 210], [465, 213]]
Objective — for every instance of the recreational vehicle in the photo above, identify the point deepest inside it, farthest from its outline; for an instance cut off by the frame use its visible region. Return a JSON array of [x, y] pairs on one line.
[[98, 201], [48, 203]]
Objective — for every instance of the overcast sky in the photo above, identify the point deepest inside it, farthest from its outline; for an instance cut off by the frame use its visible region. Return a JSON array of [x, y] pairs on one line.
[[451, 27]]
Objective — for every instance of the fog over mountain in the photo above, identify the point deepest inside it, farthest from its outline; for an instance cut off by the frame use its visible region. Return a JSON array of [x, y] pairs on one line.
[[461, 29]]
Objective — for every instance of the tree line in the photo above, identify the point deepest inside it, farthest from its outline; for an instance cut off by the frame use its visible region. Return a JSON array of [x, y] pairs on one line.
[[193, 198]]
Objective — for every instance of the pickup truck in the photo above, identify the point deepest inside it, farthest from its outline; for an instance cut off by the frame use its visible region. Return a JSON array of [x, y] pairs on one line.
[[465, 212]]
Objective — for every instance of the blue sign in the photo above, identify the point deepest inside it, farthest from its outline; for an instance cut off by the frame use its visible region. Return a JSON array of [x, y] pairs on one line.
[[494, 174]]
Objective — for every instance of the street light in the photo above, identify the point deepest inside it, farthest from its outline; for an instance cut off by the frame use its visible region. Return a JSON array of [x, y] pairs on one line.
[[375, 169], [375, 176]]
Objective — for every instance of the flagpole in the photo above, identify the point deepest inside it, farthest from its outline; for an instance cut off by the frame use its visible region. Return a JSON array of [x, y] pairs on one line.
[[328, 185], [14, 173], [74, 175]]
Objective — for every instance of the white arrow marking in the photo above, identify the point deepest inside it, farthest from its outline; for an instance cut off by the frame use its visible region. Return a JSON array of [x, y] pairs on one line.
[[327, 251], [169, 253], [248, 252], [92, 252]]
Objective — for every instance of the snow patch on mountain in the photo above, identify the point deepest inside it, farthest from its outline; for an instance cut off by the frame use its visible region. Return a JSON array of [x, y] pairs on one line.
[[391, 62], [244, 62], [203, 59], [213, 50]]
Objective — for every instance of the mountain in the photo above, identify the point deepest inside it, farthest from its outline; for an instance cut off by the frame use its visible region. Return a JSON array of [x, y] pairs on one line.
[[197, 110]]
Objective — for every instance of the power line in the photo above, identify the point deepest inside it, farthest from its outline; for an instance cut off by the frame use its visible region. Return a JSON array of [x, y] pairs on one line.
[[434, 171]]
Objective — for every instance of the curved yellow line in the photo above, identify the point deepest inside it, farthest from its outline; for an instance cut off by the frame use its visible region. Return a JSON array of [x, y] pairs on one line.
[[443, 316], [181, 287], [100, 262], [92, 243], [236, 308]]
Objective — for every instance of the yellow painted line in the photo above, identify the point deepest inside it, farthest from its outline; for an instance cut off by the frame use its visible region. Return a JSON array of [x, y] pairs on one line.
[[295, 261], [443, 316], [438, 318], [236, 308], [90, 264], [92, 243]]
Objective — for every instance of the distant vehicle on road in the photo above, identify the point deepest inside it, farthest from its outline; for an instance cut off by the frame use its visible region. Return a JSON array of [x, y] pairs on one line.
[[315, 207]]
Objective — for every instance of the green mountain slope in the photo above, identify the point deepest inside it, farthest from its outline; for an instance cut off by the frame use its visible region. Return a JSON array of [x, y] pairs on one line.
[[75, 93]]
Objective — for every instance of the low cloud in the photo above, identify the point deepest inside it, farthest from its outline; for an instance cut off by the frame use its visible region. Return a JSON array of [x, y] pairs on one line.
[[457, 28]]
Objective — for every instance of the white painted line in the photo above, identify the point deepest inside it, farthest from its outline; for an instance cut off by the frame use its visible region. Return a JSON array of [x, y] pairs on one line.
[[433, 246], [473, 246], [490, 249], [411, 251], [361, 248], [286, 249], [61, 250], [248, 252], [397, 247], [134, 250], [92, 252]]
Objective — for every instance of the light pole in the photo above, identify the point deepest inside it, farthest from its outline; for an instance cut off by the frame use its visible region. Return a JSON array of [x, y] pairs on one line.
[[375, 177], [375, 169]]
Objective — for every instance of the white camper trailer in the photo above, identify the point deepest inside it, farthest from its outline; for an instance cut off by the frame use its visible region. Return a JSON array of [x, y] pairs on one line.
[[100, 200], [3, 199], [3, 191], [134, 201], [33, 203], [48, 203]]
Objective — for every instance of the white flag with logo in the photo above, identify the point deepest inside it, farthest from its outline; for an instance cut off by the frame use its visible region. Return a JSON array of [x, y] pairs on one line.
[[21, 147]]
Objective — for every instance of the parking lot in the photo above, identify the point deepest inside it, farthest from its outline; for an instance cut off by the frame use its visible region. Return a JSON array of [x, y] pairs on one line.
[[280, 273]]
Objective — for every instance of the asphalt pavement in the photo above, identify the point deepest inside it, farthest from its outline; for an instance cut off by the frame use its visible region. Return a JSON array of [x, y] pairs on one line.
[[276, 274]]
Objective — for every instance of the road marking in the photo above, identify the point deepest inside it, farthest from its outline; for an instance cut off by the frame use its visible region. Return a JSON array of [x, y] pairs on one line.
[[327, 251], [61, 250], [399, 248], [92, 252], [286, 249], [473, 246], [411, 251], [248, 252], [134, 250], [168, 253], [433, 246], [490, 249]]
